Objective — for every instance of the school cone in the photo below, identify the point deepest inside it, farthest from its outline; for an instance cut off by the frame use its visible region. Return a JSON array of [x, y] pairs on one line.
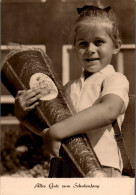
[[27, 68]]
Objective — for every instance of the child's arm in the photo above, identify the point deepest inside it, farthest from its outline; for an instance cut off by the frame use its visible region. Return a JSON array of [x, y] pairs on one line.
[[91, 118]]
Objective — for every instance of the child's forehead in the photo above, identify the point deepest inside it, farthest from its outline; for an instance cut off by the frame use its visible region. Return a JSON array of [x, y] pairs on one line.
[[93, 29]]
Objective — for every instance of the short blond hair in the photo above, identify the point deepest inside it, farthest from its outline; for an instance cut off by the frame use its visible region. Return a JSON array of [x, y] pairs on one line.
[[105, 15]]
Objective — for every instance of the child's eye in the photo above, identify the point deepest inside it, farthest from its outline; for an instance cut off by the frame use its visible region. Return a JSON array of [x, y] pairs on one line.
[[83, 44], [99, 42]]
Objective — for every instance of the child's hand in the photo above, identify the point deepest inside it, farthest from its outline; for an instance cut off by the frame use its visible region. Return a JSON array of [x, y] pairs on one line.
[[25, 101], [52, 145]]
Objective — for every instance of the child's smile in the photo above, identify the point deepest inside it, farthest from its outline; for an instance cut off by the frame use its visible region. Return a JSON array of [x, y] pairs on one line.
[[91, 59], [94, 46]]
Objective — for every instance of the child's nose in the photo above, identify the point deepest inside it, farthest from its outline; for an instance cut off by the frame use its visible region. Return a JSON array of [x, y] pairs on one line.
[[91, 48]]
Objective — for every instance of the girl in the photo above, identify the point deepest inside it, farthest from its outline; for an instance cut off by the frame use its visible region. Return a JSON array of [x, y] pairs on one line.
[[99, 96]]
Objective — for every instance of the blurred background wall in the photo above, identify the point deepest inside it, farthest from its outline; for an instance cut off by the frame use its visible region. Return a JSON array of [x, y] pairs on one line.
[[48, 24]]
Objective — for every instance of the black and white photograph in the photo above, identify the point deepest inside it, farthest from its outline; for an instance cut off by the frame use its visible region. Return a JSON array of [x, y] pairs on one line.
[[67, 97]]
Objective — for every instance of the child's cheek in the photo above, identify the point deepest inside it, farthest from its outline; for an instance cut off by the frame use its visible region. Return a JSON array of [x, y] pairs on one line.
[[81, 52]]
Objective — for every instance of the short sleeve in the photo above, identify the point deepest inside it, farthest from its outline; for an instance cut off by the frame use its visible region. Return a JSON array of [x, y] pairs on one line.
[[117, 84]]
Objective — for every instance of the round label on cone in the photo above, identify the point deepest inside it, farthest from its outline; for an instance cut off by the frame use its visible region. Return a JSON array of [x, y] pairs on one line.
[[41, 81]]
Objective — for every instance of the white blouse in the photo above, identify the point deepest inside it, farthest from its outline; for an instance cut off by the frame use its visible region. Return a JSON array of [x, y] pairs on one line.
[[85, 93]]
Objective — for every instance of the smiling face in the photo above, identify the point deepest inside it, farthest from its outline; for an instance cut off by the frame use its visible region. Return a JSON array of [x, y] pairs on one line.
[[94, 46]]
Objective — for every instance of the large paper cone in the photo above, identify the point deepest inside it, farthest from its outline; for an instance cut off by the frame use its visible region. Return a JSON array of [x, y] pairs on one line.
[[27, 68]]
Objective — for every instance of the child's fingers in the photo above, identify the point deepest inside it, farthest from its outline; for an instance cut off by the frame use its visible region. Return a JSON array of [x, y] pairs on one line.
[[20, 92], [32, 106], [55, 153], [27, 104], [27, 97], [52, 156], [55, 148], [33, 99], [31, 93], [23, 93]]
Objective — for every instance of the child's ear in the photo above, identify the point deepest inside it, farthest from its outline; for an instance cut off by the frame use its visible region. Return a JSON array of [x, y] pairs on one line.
[[117, 46]]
